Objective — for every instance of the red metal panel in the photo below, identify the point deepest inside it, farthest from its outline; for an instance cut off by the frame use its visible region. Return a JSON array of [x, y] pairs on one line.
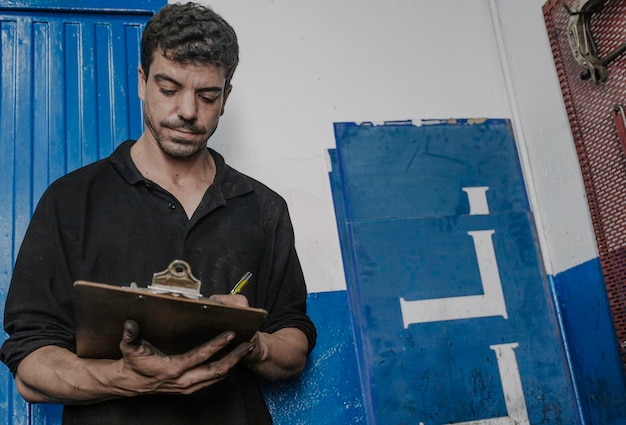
[[590, 107]]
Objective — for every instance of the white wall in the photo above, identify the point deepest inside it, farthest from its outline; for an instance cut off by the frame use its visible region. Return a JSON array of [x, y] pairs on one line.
[[548, 155], [305, 65]]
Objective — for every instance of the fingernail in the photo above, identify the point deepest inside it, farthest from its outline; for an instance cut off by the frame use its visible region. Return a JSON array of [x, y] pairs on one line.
[[230, 336]]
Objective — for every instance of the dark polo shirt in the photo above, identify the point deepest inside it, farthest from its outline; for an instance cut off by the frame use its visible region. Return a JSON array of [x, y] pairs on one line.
[[106, 223]]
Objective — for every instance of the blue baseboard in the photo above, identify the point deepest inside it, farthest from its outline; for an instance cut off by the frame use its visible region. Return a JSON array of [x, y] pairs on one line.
[[329, 390]]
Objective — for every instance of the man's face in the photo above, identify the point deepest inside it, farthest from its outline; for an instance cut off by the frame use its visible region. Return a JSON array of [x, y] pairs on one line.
[[182, 104]]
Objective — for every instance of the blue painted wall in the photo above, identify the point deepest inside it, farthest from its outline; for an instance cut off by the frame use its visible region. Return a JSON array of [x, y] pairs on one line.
[[329, 391]]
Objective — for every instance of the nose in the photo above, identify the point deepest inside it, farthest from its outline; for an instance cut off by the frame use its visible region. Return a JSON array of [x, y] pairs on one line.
[[187, 106]]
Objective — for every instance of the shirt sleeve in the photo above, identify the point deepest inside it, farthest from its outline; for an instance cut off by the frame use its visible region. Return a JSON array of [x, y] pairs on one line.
[[38, 310], [287, 294]]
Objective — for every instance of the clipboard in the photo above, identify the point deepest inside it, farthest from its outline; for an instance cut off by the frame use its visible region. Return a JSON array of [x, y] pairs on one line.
[[173, 324]]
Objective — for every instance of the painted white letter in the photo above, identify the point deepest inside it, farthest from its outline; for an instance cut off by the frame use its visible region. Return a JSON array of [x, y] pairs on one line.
[[477, 197], [490, 303], [517, 414]]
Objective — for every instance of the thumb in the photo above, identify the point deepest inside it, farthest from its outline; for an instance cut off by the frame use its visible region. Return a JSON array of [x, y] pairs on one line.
[[131, 342], [131, 333]]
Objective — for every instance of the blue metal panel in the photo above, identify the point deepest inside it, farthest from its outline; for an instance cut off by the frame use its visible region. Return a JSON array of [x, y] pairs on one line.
[[147, 7], [409, 225], [432, 364], [350, 275], [388, 178], [69, 97], [7, 165], [588, 324]]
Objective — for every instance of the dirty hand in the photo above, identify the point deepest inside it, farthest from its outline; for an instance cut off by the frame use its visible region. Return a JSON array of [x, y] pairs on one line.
[[144, 369]]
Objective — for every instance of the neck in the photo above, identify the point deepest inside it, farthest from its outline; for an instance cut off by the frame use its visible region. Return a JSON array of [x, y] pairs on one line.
[[165, 170], [187, 180]]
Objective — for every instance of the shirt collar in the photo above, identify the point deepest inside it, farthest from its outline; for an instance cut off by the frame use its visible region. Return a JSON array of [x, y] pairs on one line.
[[230, 182]]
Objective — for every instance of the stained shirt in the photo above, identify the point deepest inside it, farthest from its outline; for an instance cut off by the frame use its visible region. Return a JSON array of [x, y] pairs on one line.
[[106, 223]]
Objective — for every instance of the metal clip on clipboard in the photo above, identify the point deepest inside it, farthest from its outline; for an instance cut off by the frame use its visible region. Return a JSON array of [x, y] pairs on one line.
[[176, 280]]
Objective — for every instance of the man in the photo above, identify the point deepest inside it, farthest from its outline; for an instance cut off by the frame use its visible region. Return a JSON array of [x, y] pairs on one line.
[[163, 197]]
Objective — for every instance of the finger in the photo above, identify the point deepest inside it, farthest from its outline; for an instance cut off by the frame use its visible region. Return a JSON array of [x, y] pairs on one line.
[[235, 355], [214, 372], [256, 353], [236, 300], [131, 332], [220, 368], [193, 370], [204, 352]]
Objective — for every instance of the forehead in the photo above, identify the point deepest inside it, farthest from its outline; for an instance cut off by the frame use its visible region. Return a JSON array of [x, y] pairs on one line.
[[193, 74]]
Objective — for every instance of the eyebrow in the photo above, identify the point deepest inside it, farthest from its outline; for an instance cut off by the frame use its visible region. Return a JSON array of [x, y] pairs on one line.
[[159, 77]]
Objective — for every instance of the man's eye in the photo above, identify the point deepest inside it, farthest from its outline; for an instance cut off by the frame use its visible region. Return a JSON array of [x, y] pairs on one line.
[[167, 92], [208, 100]]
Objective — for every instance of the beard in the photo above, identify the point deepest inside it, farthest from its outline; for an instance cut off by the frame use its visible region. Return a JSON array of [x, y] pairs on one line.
[[179, 148]]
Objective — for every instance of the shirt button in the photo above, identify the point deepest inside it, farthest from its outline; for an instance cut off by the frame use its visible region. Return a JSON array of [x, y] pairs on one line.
[[172, 206]]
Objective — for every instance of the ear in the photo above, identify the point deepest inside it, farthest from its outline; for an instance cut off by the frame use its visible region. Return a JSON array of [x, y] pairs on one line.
[[226, 94], [142, 80]]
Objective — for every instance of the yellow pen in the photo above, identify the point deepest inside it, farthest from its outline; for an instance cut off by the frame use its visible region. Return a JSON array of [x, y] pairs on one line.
[[241, 284]]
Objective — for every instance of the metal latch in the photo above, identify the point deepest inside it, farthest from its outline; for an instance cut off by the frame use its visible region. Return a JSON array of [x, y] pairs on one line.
[[583, 44], [176, 280]]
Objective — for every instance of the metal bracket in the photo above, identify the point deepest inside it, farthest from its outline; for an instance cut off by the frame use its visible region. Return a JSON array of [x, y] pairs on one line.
[[619, 117], [582, 42], [176, 280]]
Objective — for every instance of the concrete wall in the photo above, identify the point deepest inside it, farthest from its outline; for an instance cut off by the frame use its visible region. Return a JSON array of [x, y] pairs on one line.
[[305, 65]]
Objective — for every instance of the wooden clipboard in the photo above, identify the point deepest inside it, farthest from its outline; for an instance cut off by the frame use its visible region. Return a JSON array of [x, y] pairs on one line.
[[172, 324]]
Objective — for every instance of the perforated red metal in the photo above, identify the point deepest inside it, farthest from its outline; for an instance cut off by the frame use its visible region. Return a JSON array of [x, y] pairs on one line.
[[602, 158]]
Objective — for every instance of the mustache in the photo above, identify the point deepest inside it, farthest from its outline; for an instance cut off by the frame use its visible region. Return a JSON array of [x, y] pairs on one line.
[[183, 125]]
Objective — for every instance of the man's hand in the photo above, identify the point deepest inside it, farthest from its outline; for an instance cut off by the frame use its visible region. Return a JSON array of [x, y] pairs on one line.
[[237, 300], [276, 356], [53, 374], [145, 369]]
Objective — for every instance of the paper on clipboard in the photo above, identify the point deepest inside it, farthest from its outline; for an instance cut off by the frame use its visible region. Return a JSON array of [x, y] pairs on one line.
[[172, 324]]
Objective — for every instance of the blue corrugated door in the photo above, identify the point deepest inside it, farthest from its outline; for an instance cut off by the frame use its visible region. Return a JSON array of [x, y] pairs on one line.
[[69, 96]]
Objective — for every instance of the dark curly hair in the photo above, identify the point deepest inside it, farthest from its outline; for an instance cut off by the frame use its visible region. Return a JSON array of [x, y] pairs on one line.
[[190, 33]]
